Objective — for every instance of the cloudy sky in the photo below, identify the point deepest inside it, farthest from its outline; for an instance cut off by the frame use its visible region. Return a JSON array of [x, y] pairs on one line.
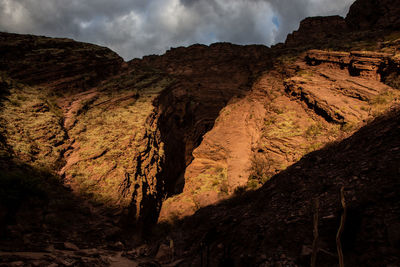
[[134, 28]]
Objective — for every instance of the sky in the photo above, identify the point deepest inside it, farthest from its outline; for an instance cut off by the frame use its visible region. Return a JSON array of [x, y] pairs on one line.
[[134, 28]]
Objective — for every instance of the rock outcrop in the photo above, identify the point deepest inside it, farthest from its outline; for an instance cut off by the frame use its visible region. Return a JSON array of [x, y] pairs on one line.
[[316, 30], [274, 225], [59, 63], [93, 149], [367, 20], [207, 78], [126, 141], [374, 15], [182, 115], [275, 124], [340, 86]]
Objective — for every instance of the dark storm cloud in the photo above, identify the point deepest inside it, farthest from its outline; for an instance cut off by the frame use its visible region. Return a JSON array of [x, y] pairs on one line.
[[137, 28]]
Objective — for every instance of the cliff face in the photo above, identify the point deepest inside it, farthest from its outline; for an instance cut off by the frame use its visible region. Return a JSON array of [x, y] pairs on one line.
[[367, 21], [329, 95], [373, 14], [157, 139], [62, 64], [317, 29], [206, 79], [274, 225], [75, 111], [127, 140]]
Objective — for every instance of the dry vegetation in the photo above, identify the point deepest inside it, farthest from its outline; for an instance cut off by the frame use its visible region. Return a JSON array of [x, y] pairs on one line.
[[32, 126], [110, 133]]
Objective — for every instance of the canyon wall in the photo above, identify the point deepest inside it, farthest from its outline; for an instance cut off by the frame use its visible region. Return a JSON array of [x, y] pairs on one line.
[[186, 129]]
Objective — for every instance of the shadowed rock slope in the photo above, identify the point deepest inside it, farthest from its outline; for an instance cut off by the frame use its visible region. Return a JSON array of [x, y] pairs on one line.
[[120, 146], [61, 64], [274, 225]]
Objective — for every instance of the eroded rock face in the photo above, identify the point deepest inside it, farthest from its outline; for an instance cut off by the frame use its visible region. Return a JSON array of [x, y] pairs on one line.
[[374, 14], [222, 160], [202, 121], [116, 152], [207, 78], [73, 109], [316, 29], [329, 95], [359, 63], [62, 64], [178, 132], [340, 86], [126, 141], [162, 148], [275, 222], [366, 20]]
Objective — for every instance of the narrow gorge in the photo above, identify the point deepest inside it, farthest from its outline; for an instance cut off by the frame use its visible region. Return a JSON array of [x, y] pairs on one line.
[[205, 153]]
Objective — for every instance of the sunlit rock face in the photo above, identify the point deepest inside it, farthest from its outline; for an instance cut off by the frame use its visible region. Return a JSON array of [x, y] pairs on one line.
[[216, 151]]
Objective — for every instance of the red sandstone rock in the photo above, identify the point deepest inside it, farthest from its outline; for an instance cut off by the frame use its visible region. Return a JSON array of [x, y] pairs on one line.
[[249, 113], [374, 14], [316, 29], [60, 63]]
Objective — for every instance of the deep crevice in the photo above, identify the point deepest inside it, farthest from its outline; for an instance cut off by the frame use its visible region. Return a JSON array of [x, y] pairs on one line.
[[205, 79], [182, 127]]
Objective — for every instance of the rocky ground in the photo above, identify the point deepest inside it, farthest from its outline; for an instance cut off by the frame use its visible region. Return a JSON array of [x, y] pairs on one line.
[[206, 155]]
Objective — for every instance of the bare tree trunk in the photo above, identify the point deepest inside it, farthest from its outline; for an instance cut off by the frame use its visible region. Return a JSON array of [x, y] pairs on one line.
[[341, 227]]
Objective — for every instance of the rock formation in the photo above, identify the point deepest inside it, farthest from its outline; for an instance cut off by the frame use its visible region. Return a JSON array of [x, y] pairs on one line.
[[373, 14], [94, 151], [62, 64], [317, 29]]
